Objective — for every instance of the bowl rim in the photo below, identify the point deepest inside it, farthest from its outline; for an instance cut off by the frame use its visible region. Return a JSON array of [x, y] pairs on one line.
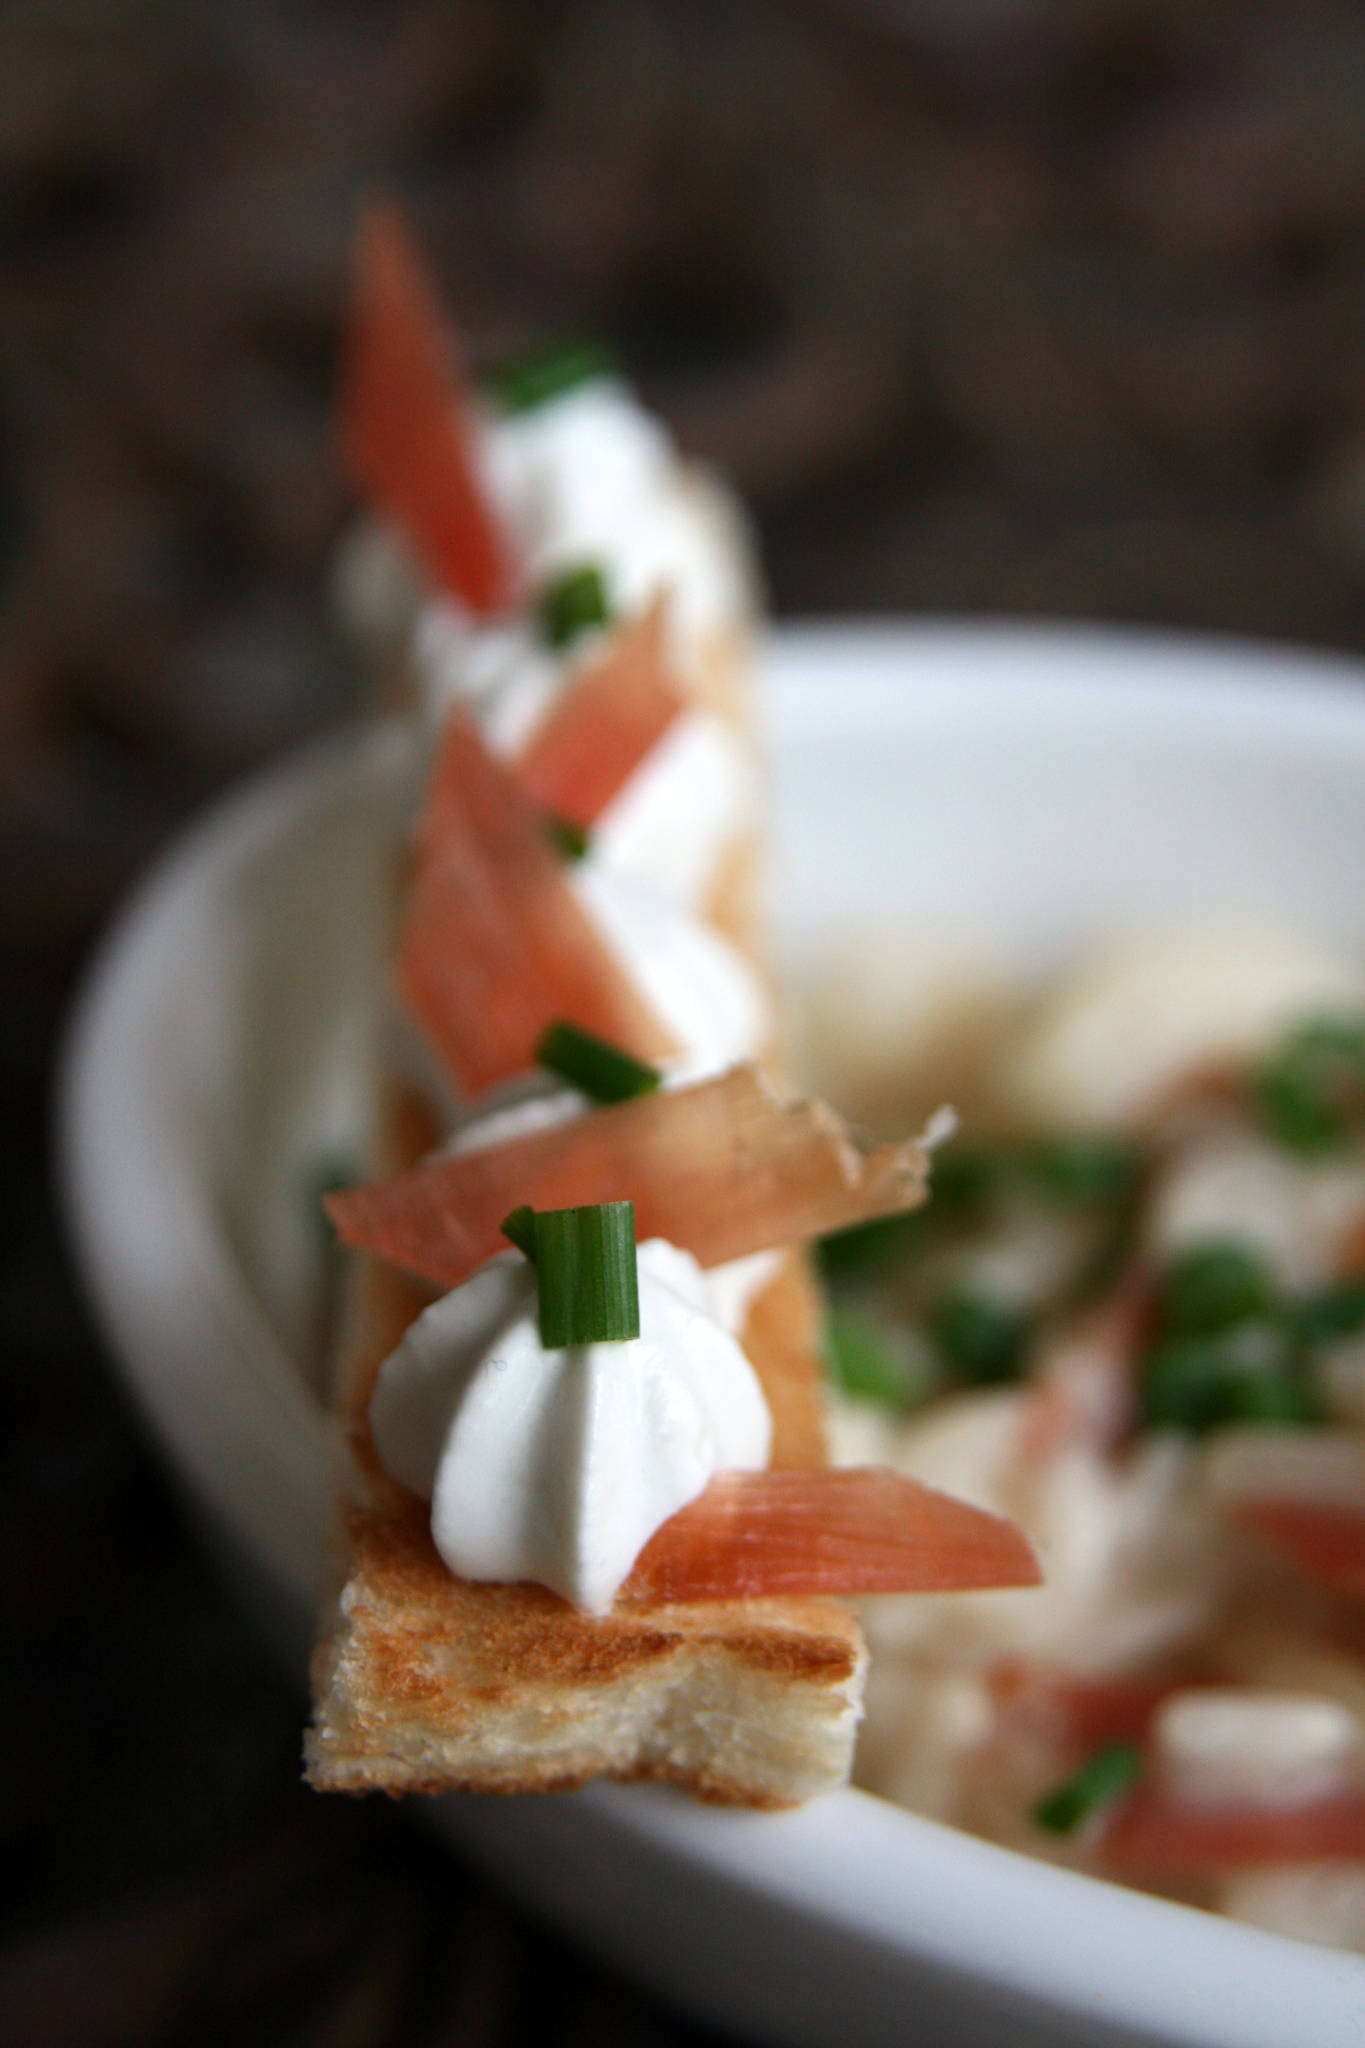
[[1075, 1948]]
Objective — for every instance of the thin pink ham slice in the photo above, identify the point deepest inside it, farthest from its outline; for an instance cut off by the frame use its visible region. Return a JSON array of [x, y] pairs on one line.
[[1325, 1539], [843, 1532], [722, 1168], [1152, 1836], [613, 712], [403, 428], [495, 946]]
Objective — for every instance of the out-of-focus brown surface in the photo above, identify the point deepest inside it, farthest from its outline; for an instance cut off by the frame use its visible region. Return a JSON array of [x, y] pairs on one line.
[[1050, 309]]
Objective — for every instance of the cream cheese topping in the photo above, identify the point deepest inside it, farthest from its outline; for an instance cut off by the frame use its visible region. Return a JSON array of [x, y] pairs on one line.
[[592, 476], [699, 986], [558, 1466]]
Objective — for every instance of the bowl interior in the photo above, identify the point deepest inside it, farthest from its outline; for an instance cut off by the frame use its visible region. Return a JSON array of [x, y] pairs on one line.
[[1031, 790]]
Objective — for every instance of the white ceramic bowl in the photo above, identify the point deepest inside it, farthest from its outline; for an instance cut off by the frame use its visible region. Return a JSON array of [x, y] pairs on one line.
[[1033, 788]]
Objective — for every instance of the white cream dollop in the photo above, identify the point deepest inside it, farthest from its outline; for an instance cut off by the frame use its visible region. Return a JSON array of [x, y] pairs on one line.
[[699, 986], [558, 1466], [592, 476]]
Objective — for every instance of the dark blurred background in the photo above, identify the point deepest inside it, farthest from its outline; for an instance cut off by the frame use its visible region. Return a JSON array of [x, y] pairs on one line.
[[987, 305]]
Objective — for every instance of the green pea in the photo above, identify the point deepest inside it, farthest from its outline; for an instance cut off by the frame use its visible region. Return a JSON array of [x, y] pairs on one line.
[[1213, 1286], [981, 1342], [1248, 1374], [1335, 1312], [1081, 1172], [866, 1364], [1312, 1089]]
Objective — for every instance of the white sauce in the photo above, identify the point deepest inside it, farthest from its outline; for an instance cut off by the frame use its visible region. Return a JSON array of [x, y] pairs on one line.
[[1141, 1015], [1223, 1748], [558, 1466]]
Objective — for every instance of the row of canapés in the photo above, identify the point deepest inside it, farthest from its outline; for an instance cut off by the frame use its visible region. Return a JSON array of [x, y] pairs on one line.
[[568, 608]]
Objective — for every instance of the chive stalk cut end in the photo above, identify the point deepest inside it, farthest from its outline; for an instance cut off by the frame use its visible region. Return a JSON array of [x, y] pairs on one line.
[[531, 380], [572, 602], [1104, 1777], [601, 1070], [589, 1279], [519, 1227]]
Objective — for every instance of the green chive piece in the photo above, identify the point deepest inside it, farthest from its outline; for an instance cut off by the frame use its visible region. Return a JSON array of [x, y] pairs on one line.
[[1247, 1374], [1313, 1087], [1214, 1286], [1082, 1172], [600, 1069], [520, 1228], [570, 841], [981, 1342], [865, 1364], [572, 602], [589, 1279], [1104, 1777], [528, 381], [971, 1180], [1336, 1312], [870, 1247], [328, 1175]]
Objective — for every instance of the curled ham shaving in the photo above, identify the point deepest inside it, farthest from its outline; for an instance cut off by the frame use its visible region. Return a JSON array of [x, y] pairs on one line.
[[1153, 1836], [403, 430], [1075, 1712], [614, 711], [1324, 1539], [495, 946], [855, 1530], [722, 1169]]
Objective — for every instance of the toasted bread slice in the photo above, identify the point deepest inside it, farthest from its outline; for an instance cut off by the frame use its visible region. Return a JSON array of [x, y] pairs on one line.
[[425, 1683]]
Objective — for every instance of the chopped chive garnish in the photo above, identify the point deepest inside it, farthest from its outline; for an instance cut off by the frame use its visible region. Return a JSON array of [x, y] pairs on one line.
[[1313, 1088], [1105, 1776], [1078, 1172], [979, 1341], [572, 602], [1248, 1374], [969, 1180], [1214, 1286], [600, 1069], [520, 1229], [569, 841], [865, 1364], [589, 1282], [870, 1247], [1336, 1312], [534, 379]]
